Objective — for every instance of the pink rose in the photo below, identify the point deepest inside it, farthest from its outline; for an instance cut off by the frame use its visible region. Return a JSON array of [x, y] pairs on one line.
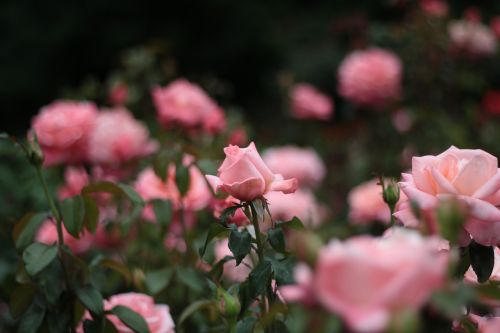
[[309, 103], [186, 104], [303, 289], [472, 37], [63, 129], [486, 324], [157, 316], [75, 180], [304, 164], [232, 272], [118, 94], [366, 204], [469, 176], [434, 7], [118, 137], [47, 234], [301, 203], [366, 279], [370, 77], [245, 176]]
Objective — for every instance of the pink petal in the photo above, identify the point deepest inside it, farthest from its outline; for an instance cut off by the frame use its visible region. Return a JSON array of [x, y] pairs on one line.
[[254, 157], [483, 232], [247, 190], [482, 210], [489, 188], [285, 186], [424, 200], [214, 182], [442, 183]]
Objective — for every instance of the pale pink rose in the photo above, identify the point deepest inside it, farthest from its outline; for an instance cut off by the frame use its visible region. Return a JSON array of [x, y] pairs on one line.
[[370, 77], [301, 204], [76, 178], [468, 176], [486, 324], [495, 26], [245, 176], [232, 272], [309, 103], [434, 7], [472, 37], [186, 104], [63, 128], [366, 280], [239, 218], [304, 164], [303, 290], [157, 316], [118, 137], [47, 234], [366, 204]]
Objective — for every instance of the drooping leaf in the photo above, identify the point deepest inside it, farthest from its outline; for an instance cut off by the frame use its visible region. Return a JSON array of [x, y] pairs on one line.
[[240, 244], [73, 214], [294, 223], [156, 281], [277, 239], [25, 229], [91, 298], [182, 178], [91, 217], [131, 319], [256, 284], [482, 259], [37, 256], [116, 189], [215, 230], [163, 212]]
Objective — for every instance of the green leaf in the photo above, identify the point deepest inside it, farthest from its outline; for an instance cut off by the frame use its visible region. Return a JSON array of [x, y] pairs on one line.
[[240, 244], [190, 278], [91, 298], [160, 165], [163, 212], [116, 189], [182, 178], [256, 284], [452, 302], [91, 218], [25, 229], [156, 281], [37, 256], [215, 230], [276, 239], [192, 308], [58, 320], [131, 319], [73, 213], [482, 259], [21, 298], [283, 270], [32, 319], [490, 290], [228, 213], [218, 268], [294, 223], [246, 325]]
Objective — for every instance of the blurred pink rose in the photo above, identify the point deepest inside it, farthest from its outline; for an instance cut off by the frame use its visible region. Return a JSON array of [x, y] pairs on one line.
[[370, 77], [157, 316], [366, 204], [434, 7], [47, 234], [472, 37], [238, 137], [239, 218], [232, 272], [186, 104], [469, 176], [491, 102], [309, 103], [245, 176], [118, 137], [486, 324], [63, 128], [495, 26], [366, 279], [301, 203], [76, 178], [304, 164], [303, 289], [118, 94]]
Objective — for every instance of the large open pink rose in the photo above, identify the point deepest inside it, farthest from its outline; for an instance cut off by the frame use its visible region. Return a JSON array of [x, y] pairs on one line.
[[470, 176], [245, 176]]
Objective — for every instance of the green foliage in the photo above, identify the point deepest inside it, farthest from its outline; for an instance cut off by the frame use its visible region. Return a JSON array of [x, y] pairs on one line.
[[482, 260], [38, 256], [130, 318], [239, 243]]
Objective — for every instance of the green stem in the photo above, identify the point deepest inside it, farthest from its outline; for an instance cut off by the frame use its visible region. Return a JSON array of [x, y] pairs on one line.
[[53, 208]]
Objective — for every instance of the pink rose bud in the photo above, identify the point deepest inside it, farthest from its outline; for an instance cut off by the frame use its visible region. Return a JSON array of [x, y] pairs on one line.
[[186, 104], [304, 164], [368, 280], [118, 137], [63, 130], [245, 176], [309, 103], [157, 316], [370, 77], [469, 176]]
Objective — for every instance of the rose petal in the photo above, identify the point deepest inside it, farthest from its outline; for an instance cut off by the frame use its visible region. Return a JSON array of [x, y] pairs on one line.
[[214, 182], [443, 185], [489, 188], [424, 200], [482, 210], [247, 190], [285, 186], [254, 157]]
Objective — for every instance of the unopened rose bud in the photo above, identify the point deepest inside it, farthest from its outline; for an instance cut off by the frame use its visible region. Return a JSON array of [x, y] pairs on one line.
[[228, 304], [35, 154], [390, 192]]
